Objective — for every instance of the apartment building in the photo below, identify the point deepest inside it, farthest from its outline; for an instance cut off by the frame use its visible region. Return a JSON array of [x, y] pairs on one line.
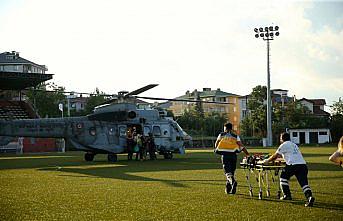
[[207, 94]]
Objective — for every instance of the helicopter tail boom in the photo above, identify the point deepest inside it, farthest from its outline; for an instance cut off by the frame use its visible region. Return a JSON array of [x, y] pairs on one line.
[[43, 128]]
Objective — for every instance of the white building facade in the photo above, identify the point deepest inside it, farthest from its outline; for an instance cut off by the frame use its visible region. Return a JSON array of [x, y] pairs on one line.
[[307, 136]]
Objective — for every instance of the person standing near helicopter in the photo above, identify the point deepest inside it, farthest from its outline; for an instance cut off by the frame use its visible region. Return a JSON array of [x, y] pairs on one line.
[[140, 147], [151, 147], [130, 143], [228, 144]]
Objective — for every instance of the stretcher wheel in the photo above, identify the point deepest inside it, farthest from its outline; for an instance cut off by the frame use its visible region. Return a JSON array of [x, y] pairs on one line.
[[250, 192]]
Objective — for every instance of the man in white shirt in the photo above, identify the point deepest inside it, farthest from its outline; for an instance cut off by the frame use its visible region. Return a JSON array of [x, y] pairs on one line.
[[295, 165]]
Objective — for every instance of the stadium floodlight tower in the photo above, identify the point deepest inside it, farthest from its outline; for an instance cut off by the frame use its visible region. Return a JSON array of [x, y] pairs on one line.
[[268, 34]]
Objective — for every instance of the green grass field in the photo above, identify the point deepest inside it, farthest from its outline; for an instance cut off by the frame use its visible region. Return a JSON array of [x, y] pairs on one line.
[[62, 186]]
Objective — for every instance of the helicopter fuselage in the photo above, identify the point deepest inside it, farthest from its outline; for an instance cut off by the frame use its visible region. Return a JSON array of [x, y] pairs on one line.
[[105, 130]]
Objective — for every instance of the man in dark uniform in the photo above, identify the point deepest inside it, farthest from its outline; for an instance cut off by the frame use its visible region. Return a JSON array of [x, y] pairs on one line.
[[295, 165], [151, 147], [130, 143], [228, 144]]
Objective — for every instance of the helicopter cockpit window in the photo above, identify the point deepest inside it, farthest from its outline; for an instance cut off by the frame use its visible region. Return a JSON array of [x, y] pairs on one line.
[[156, 131], [147, 130]]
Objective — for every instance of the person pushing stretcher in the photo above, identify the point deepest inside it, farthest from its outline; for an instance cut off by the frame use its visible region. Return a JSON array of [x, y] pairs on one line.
[[295, 165]]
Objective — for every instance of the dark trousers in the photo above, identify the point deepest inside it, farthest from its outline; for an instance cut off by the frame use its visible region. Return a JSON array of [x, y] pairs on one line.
[[130, 144], [300, 171], [229, 161]]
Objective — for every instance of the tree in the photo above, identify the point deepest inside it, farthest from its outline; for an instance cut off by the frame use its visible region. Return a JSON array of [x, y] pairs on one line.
[[202, 125], [336, 123], [337, 107], [46, 103], [198, 105], [336, 127], [257, 122], [95, 100], [288, 115]]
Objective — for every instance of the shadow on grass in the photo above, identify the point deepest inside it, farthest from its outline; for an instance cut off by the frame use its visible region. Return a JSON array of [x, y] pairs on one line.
[[323, 167], [295, 189], [127, 170], [317, 204], [306, 155], [31, 161]]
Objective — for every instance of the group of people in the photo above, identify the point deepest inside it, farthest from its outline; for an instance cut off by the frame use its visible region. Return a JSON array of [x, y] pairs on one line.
[[141, 145], [228, 144]]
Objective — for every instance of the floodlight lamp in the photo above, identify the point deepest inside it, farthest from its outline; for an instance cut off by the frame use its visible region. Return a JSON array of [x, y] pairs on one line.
[[271, 28], [256, 29], [271, 34], [261, 29], [277, 34], [265, 28], [276, 28], [267, 35], [261, 35], [256, 36]]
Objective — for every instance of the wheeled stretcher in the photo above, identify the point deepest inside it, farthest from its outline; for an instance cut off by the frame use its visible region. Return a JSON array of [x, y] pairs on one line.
[[262, 173]]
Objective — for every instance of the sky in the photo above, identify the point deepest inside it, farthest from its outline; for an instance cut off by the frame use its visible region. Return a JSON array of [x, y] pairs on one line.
[[181, 45]]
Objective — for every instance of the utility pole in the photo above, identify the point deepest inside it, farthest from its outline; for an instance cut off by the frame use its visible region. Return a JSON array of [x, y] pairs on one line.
[[267, 34]]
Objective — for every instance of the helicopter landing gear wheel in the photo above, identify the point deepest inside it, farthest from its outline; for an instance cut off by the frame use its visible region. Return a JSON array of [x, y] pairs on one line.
[[89, 156], [168, 155], [112, 157]]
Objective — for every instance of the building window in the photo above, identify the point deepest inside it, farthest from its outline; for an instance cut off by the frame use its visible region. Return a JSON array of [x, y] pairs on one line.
[[244, 113], [295, 134], [244, 104], [323, 133]]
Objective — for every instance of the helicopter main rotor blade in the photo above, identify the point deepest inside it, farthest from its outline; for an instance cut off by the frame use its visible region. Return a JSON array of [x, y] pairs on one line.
[[71, 92], [141, 90], [184, 100]]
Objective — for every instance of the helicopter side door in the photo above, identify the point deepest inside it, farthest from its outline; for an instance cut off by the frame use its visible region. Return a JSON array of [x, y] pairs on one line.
[[162, 137], [113, 134]]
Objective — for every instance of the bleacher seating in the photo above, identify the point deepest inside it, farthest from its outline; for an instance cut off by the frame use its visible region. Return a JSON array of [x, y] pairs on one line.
[[11, 110]]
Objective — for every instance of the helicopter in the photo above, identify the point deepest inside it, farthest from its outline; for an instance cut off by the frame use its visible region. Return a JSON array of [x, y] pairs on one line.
[[105, 130]]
